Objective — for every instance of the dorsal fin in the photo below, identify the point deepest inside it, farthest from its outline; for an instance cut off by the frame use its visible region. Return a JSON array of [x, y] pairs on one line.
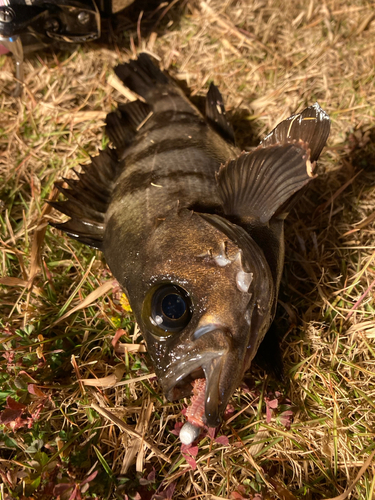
[[135, 112], [312, 126], [256, 184], [123, 124], [88, 196], [216, 116], [88, 199]]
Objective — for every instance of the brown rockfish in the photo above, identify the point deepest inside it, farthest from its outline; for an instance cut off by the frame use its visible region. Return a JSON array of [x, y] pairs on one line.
[[191, 227]]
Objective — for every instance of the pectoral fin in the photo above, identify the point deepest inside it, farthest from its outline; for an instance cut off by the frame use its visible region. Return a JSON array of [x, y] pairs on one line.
[[257, 184], [312, 126]]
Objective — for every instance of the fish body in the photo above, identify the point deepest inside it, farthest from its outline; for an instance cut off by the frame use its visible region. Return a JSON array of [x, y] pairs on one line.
[[191, 228]]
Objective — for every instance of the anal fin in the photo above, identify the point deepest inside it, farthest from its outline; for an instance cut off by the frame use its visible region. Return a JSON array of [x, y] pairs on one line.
[[216, 115]]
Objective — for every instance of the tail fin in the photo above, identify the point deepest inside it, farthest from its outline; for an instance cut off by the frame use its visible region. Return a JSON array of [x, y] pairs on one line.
[[141, 75]]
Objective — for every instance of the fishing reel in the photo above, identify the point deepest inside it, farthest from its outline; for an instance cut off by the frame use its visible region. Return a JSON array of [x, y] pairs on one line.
[[28, 25]]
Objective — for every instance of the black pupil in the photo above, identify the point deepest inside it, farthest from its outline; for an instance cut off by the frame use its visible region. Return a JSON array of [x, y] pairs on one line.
[[171, 309], [173, 306]]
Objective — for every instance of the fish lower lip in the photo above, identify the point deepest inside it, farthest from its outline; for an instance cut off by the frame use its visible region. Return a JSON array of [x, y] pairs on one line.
[[211, 356], [213, 404]]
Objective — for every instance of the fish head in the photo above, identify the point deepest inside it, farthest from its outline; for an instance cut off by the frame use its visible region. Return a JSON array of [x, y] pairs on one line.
[[206, 300]]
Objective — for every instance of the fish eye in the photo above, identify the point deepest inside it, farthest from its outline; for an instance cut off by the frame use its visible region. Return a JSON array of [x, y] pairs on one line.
[[169, 309]]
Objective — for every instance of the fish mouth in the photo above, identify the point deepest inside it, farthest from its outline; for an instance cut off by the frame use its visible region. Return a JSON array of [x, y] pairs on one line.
[[212, 357]]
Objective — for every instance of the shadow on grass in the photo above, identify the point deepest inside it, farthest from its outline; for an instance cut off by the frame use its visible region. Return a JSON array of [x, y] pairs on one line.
[[317, 261]]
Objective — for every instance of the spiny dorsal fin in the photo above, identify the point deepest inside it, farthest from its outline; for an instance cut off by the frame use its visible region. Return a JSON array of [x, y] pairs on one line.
[[312, 126], [255, 185], [83, 231], [88, 199], [215, 113], [135, 112], [123, 124]]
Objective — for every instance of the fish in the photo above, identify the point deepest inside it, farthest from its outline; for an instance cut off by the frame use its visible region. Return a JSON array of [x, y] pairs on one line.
[[192, 227]]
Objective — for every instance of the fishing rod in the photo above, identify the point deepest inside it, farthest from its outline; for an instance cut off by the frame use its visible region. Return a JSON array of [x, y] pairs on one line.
[[28, 25]]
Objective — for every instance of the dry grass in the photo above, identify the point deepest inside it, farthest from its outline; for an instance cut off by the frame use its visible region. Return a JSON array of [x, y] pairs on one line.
[[269, 58]]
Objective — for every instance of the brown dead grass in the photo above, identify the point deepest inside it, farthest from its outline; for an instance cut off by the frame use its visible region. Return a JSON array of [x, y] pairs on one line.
[[270, 59]]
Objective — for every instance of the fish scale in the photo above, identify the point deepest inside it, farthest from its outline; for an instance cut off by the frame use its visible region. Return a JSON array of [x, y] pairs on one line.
[[186, 151], [170, 163], [166, 171], [192, 229]]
